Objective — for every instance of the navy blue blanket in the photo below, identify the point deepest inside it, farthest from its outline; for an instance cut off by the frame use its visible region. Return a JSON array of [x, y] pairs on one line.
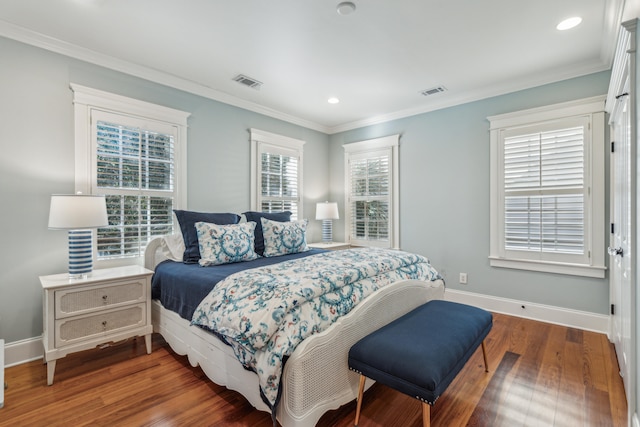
[[180, 287]]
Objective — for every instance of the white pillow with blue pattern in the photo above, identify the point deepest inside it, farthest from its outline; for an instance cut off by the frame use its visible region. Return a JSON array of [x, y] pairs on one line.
[[281, 238], [224, 244]]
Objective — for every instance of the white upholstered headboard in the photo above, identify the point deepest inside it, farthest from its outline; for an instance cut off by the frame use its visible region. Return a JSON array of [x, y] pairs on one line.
[[154, 254]]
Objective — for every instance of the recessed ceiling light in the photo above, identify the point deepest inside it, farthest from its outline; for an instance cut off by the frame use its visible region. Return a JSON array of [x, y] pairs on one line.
[[346, 8], [569, 23], [333, 100]]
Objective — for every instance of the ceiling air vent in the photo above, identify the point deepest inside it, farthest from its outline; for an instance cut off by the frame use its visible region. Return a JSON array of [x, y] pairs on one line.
[[247, 81], [433, 90]]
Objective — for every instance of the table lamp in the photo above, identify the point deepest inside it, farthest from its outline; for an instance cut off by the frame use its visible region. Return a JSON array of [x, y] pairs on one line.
[[78, 213], [327, 212]]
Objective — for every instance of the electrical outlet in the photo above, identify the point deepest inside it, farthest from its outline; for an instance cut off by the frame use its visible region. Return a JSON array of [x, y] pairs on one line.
[[463, 278]]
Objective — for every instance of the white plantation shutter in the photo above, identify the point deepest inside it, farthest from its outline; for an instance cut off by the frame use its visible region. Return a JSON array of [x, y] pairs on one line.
[[544, 187], [134, 153], [277, 173], [370, 196], [135, 170], [279, 181], [372, 192], [547, 176]]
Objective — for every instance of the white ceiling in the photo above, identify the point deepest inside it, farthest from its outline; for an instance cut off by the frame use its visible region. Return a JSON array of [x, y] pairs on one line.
[[376, 60]]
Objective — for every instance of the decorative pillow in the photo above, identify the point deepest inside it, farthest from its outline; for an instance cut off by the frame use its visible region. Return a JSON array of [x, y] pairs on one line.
[[173, 247], [256, 216], [281, 238], [224, 244], [187, 220]]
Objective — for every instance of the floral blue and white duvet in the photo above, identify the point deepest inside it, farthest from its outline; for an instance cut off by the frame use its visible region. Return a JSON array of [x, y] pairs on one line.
[[264, 313]]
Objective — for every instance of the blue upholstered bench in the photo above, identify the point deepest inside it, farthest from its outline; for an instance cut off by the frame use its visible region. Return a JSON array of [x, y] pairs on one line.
[[420, 353]]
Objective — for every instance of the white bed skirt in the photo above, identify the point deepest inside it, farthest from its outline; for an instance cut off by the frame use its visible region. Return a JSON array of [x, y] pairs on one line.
[[316, 377]]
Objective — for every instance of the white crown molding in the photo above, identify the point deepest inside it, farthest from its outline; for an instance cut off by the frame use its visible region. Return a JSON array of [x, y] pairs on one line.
[[33, 38], [51, 44], [477, 95]]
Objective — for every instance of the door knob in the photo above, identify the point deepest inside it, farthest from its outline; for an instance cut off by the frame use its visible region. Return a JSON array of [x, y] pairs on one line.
[[615, 251]]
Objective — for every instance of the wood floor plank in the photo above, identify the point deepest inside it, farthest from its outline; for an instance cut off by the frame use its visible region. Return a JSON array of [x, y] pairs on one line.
[[598, 412], [520, 392], [491, 404], [539, 375], [595, 374], [543, 401], [615, 386], [570, 405]]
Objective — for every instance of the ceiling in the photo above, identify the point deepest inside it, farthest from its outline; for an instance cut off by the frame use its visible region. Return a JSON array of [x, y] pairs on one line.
[[377, 60]]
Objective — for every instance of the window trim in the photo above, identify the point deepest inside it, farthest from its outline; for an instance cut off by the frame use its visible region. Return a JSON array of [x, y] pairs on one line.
[[391, 143], [85, 100], [261, 138], [595, 181]]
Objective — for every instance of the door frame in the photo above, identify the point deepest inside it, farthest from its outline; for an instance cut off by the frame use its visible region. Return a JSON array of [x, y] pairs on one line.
[[625, 64]]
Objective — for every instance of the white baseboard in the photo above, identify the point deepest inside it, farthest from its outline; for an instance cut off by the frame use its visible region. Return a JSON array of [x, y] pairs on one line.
[[543, 313], [23, 351], [31, 349]]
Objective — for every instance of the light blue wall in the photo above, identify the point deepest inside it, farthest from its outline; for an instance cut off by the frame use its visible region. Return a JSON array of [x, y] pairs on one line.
[[36, 136], [444, 195], [444, 176]]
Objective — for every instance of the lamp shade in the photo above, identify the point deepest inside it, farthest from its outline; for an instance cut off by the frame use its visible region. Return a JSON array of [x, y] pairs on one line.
[[327, 210], [77, 211]]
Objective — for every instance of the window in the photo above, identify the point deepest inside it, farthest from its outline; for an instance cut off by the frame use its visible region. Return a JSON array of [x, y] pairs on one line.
[[133, 153], [276, 175], [372, 192], [547, 189]]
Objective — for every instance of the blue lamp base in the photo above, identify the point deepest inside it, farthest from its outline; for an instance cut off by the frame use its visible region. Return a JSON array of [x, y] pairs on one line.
[[327, 231], [80, 253]]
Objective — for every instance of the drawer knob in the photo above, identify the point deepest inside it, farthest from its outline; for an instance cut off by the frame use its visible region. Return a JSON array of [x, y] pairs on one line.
[[104, 324], [104, 298]]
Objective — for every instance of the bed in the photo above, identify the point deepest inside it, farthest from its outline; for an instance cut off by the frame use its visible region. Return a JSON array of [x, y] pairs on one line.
[[315, 377]]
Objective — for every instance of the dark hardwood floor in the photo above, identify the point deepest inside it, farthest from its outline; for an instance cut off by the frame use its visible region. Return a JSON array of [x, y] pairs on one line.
[[539, 375]]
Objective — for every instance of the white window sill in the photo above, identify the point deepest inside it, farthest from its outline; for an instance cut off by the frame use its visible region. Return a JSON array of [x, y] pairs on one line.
[[549, 267]]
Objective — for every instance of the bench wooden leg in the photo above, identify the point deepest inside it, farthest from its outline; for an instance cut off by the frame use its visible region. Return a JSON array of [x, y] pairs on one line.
[[426, 414], [360, 394], [484, 354]]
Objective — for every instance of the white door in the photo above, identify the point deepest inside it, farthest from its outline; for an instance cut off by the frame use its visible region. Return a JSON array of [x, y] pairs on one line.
[[622, 246]]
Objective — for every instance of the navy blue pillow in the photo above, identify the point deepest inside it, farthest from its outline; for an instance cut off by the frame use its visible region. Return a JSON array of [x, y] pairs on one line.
[[187, 221], [255, 217]]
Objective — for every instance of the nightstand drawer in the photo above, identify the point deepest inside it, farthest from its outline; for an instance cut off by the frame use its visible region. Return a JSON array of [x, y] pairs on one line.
[[85, 300], [71, 330]]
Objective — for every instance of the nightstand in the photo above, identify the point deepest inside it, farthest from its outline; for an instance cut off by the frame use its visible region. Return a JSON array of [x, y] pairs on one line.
[[332, 246], [109, 305]]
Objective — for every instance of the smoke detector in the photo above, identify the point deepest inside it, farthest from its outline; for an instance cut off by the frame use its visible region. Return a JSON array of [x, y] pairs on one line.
[[346, 8]]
